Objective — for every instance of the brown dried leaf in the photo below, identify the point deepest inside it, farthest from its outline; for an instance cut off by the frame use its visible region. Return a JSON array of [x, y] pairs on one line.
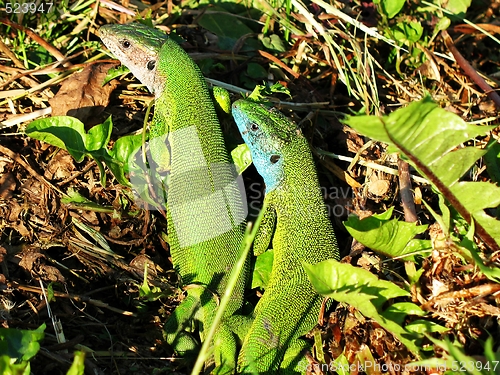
[[379, 188], [7, 185], [82, 95], [29, 259], [469, 29], [60, 166]]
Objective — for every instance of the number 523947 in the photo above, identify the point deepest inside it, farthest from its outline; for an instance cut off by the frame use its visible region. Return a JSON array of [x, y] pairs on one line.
[[28, 7]]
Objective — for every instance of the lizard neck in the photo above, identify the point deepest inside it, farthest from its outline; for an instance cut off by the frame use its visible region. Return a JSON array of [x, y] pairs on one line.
[[183, 100]]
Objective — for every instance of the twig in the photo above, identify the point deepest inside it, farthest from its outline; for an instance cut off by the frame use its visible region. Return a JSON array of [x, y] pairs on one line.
[[405, 192], [75, 297], [469, 70]]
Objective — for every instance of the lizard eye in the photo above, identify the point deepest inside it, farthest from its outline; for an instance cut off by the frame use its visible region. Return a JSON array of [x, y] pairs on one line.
[[151, 64], [274, 158], [126, 44], [254, 127]]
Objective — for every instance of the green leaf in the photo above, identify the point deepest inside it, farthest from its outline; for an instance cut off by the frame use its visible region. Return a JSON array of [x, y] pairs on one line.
[[21, 344], [256, 71], [69, 134], [124, 157], [397, 312], [262, 270], [78, 365], [389, 237], [425, 326], [457, 7], [8, 368], [361, 289], [64, 132], [272, 42], [261, 91], [227, 27], [115, 73], [392, 7], [349, 284], [430, 138], [242, 157], [99, 135], [492, 160], [408, 32]]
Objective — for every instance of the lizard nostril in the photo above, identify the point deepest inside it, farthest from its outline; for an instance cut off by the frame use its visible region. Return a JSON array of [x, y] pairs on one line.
[[254, 127], [151, 64]]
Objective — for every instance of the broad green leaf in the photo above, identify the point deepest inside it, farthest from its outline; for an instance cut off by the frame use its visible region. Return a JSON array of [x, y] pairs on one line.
[[430, 138], [69, 133], [21, 344], [457, 7], [391, 7], [389, 237], [256, 71], [242, 157], [125, 157], [355, 286], [64, 132], [272, 42], [397, 312], [361, 289], [99, 135], [408, 32], [227, 27], [262, 270]]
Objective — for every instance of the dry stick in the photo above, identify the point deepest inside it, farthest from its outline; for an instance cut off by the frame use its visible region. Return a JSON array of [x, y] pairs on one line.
[[469, 70], [405, 192], [75, 297], [50, 68], [279, 63], [79, 173], [10, 55]]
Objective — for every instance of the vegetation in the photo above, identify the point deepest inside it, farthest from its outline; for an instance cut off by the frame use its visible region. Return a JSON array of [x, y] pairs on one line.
[[400, 94]]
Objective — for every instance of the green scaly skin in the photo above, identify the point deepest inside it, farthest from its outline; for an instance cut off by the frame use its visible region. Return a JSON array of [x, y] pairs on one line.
[[289, 307], [205, 208]]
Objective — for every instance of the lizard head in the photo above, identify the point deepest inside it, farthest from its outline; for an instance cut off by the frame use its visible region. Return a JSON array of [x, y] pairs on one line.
[[267, 132], [137, 46]]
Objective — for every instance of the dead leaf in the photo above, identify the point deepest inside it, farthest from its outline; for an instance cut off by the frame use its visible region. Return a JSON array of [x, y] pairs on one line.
[[469, 29], [83, 96], [60, 166], [7, 185], [378, 188]]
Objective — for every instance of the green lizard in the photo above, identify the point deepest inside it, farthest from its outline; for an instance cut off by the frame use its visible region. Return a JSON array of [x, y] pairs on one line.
[[205, 209], [302, 233]]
